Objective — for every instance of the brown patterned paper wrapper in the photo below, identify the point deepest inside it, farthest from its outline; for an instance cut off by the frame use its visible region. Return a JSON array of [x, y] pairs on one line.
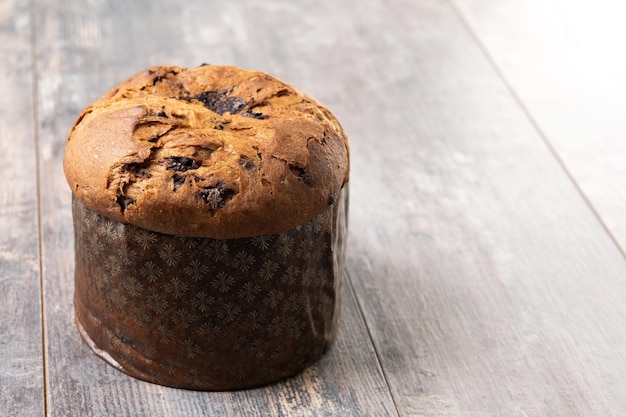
[[208, 314]]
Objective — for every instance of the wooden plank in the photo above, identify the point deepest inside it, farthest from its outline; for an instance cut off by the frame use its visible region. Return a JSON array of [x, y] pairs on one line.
[[489, 286], [563, 59], [21, 366], [83, 49]]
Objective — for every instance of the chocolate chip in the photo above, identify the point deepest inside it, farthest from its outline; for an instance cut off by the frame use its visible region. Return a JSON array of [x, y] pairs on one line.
[[137, 169], [220, 103], [216, 196], [302, 174], [124, 202], [209, 98], [231, 105], [255, 115], [331, 198], [181, 163], [245, 163], [158, 79], [259, 154], [178, 180], [162, 114]]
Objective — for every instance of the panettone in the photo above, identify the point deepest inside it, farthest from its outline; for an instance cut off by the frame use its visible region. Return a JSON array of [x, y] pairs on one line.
[[210, 218]]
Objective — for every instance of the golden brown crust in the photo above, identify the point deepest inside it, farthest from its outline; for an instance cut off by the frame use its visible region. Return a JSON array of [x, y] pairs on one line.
[[211, 151]]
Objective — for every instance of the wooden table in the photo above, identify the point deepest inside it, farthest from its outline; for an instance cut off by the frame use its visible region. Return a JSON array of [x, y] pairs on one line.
[[486, 272]]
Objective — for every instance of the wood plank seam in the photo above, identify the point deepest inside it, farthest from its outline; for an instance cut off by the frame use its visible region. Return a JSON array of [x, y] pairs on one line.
[[533, 121], [35, 115], [348, 281]]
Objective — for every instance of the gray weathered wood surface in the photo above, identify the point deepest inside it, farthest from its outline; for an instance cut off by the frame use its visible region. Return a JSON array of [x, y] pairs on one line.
[[486, 271], [565, 62], [21, 360]]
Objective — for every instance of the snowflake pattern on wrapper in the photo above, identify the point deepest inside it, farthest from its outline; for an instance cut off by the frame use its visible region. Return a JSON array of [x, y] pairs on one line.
[[207, 313]]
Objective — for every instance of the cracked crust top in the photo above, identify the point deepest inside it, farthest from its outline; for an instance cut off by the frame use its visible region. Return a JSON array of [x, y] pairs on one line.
[[212, 151]]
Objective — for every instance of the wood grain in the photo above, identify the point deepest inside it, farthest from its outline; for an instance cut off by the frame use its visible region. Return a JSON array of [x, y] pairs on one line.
[[488, 282], [563, 59], [84, 48], [488, 285], [21, 366]]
